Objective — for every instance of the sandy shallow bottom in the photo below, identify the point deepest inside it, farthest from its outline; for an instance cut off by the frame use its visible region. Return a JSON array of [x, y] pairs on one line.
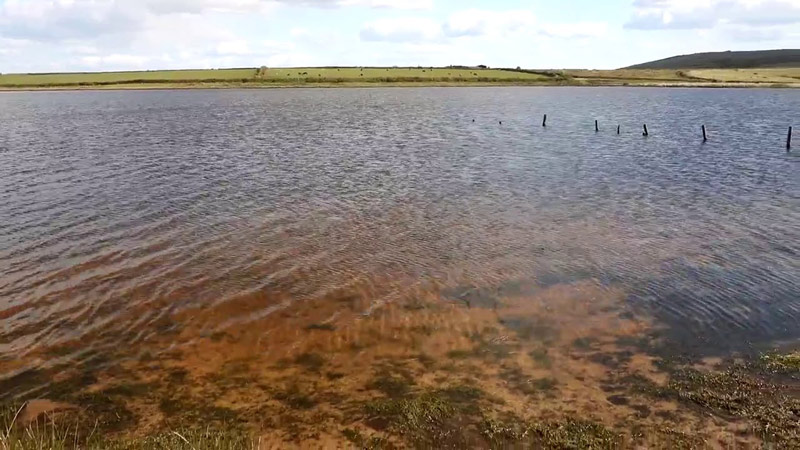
[[436, 367]]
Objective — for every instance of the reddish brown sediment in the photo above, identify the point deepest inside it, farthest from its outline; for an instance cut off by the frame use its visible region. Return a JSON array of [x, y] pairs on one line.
[[305, 371]]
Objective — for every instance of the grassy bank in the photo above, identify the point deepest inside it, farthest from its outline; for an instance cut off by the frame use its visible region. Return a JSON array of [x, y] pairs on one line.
[[397, 76], [758, 393]]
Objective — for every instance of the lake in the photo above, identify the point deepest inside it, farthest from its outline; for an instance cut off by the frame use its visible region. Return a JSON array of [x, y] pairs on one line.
[[275, 252]]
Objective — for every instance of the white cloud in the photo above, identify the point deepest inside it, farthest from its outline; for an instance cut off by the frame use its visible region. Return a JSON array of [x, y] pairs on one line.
[[54, 35], [299, 32], [393, 4], [67, 19], [200, 6], [401, 29], [574, 30], [704, 14], [234, 47], [130, 61], [476, 22]]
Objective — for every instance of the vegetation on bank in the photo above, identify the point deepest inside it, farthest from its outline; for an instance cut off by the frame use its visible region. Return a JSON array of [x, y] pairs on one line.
[[276, 76], [403, 414], [727, 60], [370, 76]]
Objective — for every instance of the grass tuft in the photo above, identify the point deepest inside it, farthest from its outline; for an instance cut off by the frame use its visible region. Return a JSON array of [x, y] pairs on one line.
[[788, 363]]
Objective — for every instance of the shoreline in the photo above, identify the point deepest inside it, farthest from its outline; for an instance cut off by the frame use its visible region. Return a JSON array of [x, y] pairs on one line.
[[324, 85]]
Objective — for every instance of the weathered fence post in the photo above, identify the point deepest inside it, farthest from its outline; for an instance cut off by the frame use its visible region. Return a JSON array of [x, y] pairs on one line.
[[789, 140], [645, 130], [596, 127], [705, 137]]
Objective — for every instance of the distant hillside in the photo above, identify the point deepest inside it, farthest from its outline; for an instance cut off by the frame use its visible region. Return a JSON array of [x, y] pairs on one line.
[[727, 60]]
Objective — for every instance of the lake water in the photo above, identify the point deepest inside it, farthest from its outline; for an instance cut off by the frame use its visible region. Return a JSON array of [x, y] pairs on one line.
[[197, 228]]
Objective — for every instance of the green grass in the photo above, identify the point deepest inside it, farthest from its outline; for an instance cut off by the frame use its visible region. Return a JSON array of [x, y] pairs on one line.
[[272, 76], [788, 363], [124, 77], [786, 76], [73, 433], [741, 391], [367, 76], [400, 74]]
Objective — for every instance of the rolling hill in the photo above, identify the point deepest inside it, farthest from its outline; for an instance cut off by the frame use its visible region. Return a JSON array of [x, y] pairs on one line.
[[727, 60]]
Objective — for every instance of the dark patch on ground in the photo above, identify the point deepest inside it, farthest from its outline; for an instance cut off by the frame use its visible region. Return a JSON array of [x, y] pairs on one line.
[[360, 441], [131, 389], [618, 400], [531, 329], [177, 375], [612, 360], [427, 361], [321, 327], [549, 279], [334, 375], [184, 411], [391, 383], [642, 411], [473, 297], [218, 336], [310, 361], [110, 412], [295, 398], [521, 382], [583, 343], [541, 358]]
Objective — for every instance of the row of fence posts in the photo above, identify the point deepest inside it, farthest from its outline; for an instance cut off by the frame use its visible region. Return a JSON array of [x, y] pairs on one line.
[[646, 133]]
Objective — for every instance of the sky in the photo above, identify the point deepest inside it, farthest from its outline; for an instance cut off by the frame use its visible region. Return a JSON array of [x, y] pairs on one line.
[[93, 35]]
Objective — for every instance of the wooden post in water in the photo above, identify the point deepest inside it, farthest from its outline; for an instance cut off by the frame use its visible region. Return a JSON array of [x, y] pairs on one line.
[[705, 137], [789, 140], [544, 121], [645, 131], [617, 129], [596, 127]]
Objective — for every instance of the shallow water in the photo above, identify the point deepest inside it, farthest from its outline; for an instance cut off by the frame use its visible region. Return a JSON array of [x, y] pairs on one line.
[[151, 222]]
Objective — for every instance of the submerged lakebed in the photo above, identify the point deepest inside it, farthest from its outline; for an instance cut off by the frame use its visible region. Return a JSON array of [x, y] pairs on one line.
[[421, 267]]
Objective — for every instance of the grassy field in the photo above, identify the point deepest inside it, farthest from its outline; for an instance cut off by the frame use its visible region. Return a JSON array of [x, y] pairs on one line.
[[61, 79], [368, 76], [275, 76], [727, 60], [783, 76]]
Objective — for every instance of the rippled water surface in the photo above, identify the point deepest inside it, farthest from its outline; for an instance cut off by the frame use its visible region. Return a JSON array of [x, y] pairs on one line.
[[153, 220]]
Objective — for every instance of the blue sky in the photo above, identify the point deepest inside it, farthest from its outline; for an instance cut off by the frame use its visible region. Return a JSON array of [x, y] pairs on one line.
[[76, 35]]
